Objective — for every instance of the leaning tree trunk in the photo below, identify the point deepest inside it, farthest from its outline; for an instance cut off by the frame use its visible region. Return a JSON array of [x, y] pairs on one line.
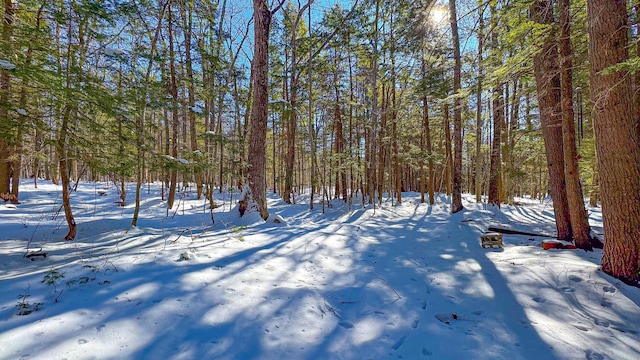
[[547, 73], [617, 138], [63, 162], [575, 199]]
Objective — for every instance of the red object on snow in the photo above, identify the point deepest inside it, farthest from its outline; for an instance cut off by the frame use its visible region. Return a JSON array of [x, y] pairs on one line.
[[551, 245], [554, 244]]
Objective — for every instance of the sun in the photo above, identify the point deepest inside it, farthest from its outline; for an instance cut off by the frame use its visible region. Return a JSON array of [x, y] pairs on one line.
[[438, 15]]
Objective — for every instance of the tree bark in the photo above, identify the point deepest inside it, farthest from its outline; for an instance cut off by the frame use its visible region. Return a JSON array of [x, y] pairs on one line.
[[371, 136], [617, 138], [259, 111], [456, 196], [63, 162], [547, 74], [173, 89], [478, 162], [447, 143], [575, 199], [187, 16], [495, 170], [292, 124], [341, 176], [5, 95]]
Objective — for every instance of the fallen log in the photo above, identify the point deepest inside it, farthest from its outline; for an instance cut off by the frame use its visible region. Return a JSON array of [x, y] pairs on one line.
[[516, 232]]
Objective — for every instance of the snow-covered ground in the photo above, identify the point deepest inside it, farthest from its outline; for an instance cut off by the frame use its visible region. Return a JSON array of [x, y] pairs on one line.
[[407, 281]]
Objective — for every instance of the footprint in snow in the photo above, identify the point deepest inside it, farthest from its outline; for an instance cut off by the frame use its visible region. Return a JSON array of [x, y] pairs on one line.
[[346, 324], [100, 327], [575, 278], [609, 289], [591, 355], [601, 322], [414, 324], [399, 343], [605, 303], [581, 327], [538, 299]]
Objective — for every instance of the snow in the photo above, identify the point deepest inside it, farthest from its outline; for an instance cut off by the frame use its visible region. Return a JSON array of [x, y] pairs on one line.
[[407, 281], [22, 112]]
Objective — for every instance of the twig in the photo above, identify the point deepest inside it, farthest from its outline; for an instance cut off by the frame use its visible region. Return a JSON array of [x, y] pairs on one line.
[[58, 297], [390, 287]]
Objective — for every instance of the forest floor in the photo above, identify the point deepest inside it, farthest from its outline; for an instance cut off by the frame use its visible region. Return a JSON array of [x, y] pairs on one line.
[[401, 281]]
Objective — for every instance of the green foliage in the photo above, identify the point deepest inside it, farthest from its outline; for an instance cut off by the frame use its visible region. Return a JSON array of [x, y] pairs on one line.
[[25, 307], [238, 231], [80, 281], [52, 277]]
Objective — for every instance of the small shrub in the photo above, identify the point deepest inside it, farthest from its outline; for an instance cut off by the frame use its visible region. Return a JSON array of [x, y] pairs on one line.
[[238, 231], [25, 307], [52, 277]]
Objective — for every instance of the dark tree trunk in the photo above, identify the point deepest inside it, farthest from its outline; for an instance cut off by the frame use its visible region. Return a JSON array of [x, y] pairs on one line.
[[259, 112], [61, 150], [495, 168], [173, 88], [5, 95], [478, 160], [447, 144], [547, 73], [456, 195], [575, 199], [617, 138]]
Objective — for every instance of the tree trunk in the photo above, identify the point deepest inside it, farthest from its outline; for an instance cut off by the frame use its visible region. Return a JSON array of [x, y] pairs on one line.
[[140, 120], [259, 111], [547, 75], [61, 150], [575, 199], [617, 138], [341, 176], [495, 170], [312, 135], [371, 136], [425, 123], [187, 16], [5, 95], [478, 162], [447, 143], [428, 149], [173, 88], [456, 196]]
